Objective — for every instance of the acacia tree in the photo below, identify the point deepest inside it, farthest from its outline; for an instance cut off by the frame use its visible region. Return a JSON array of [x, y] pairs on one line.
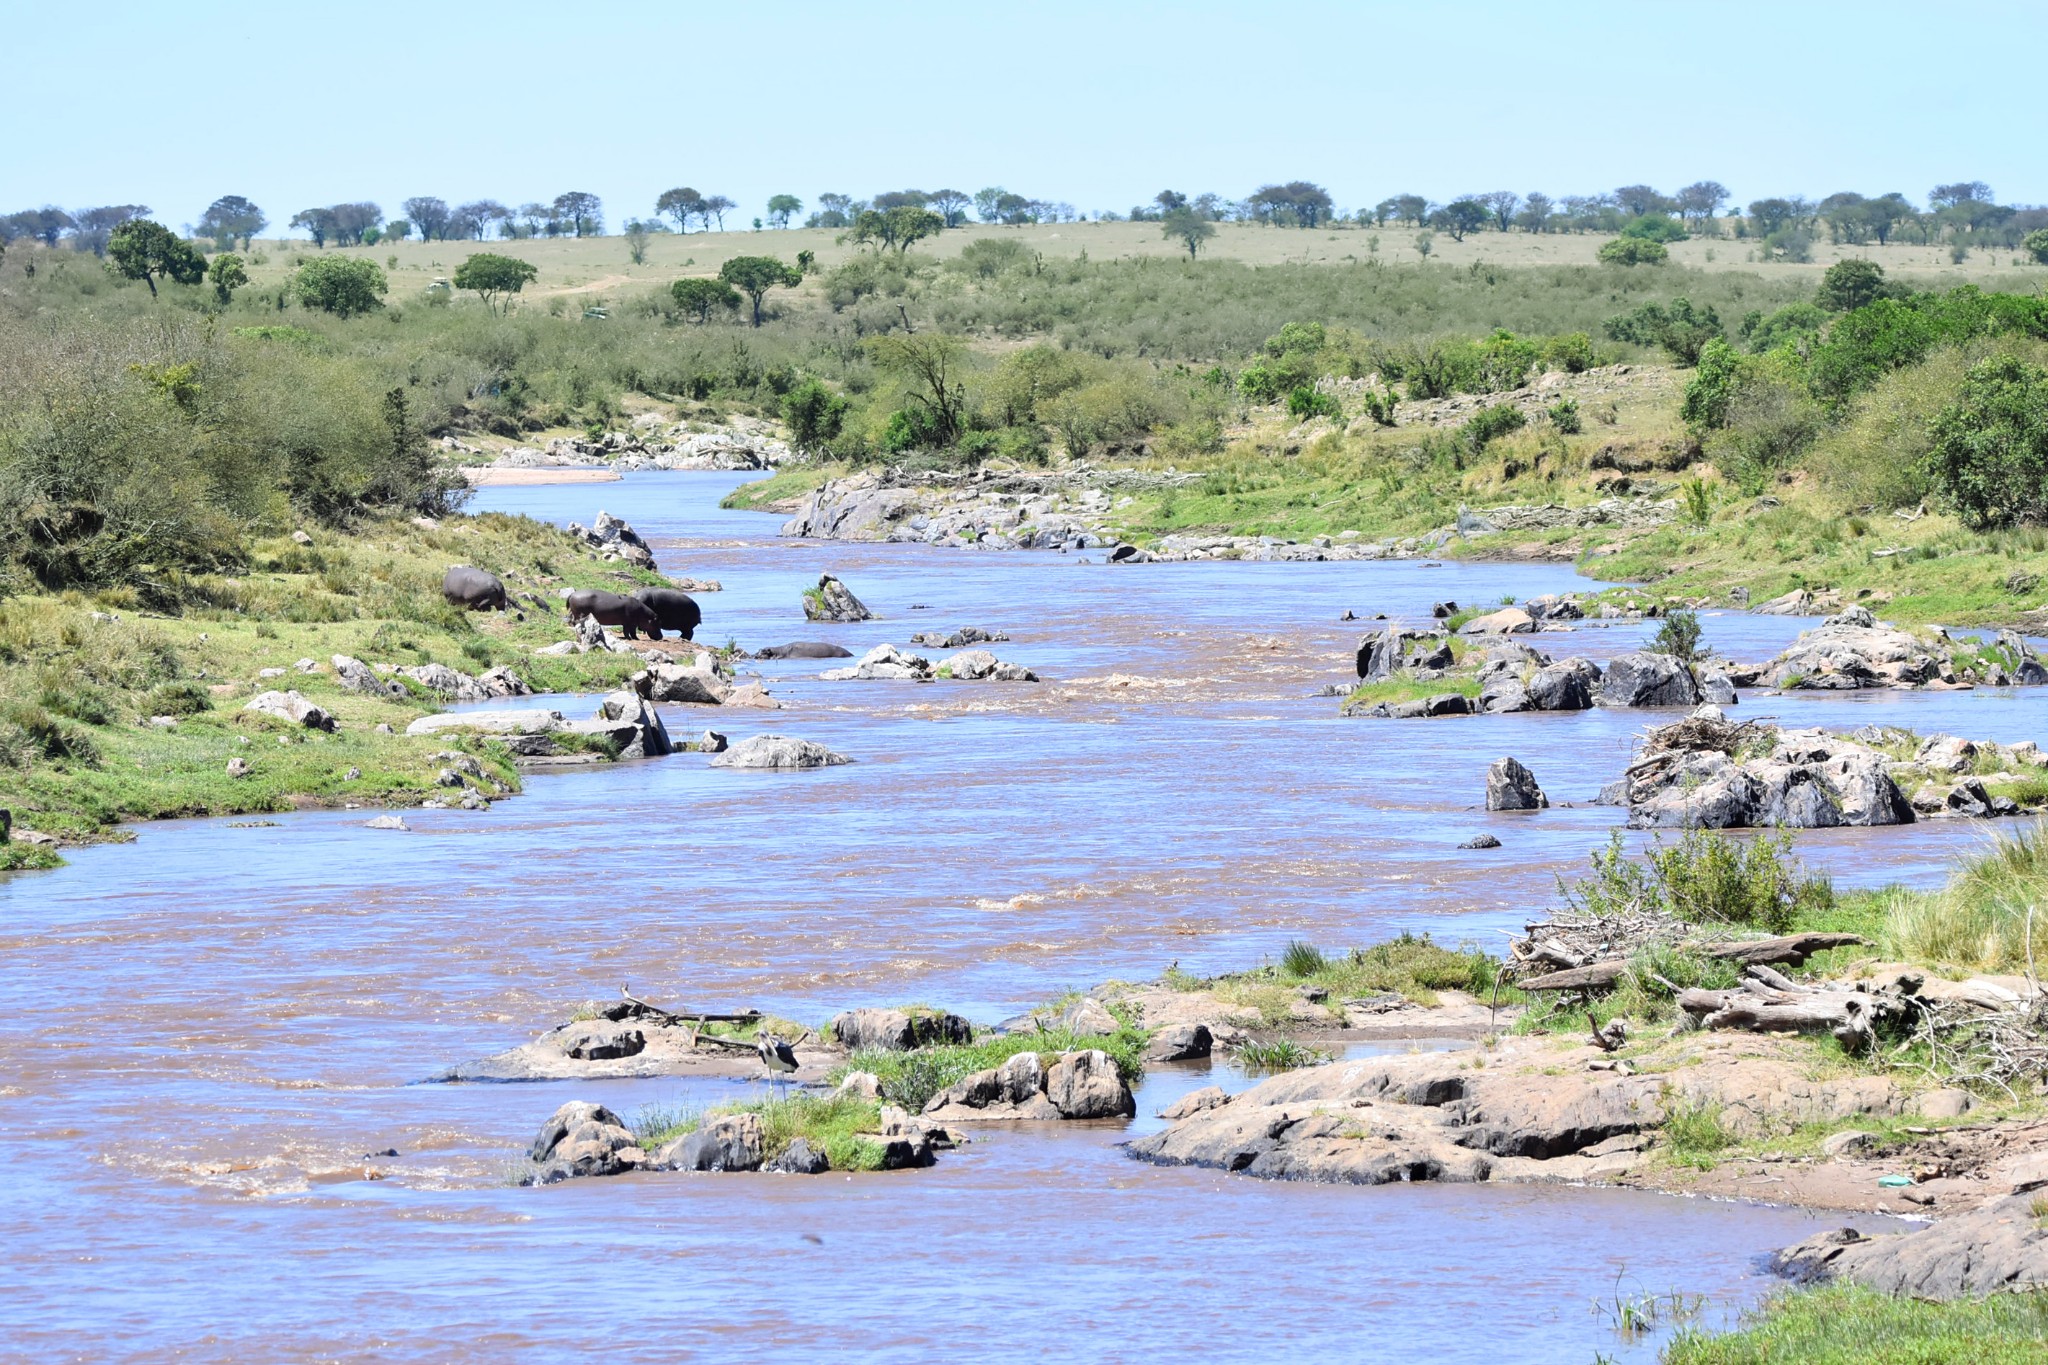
[[95, 225], [1701, 200], [492, 277], [754, 276], [143, 249], [429, 216], [681, 204], [342, 285], [1188, 226], [1502, 204], [475, 218], [1460, 217], [782, 208], [583, 211], [699, 296], [318, 223], [952, 205], [716, 206]]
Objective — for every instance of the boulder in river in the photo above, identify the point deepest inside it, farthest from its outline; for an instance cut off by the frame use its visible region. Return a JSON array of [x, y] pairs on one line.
[[883, 663], [728, 1142], [959, 639], [778, 751], [1506, 621], [697, 683], [630, 721], [978, 665], [1646, 679], [582, 1139], [1994, 1248], [1853, 650], [1510, 786], [833, 601], [898, 1030], [613, 539], [292, 707], [1563, 686], [1705, 772], [1078, 1085]]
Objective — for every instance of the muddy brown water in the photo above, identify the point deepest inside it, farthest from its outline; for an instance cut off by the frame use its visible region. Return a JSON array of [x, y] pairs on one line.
[[204, 1034]]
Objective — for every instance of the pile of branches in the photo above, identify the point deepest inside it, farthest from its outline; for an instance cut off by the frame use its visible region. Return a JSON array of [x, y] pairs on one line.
[[1697, 734], [1770, 1002], [1968, 1044]]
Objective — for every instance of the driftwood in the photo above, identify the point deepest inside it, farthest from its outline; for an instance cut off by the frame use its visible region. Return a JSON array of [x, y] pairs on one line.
[[1791, 949], [1766, 1002], [636, 1006]]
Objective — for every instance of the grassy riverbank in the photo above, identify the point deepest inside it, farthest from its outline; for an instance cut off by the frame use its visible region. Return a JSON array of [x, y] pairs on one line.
[[1846, 1325], [112, 712]]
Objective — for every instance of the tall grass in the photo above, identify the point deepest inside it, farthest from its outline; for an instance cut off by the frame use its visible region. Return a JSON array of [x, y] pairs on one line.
[[1980, 918], [1850, 1325]]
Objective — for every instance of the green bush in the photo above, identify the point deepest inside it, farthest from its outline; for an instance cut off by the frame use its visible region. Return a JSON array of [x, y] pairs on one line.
[[1705, 878], [1679, 328], [815, 415], [1306, 401], [1712, 388], [1654, 227], [1504, 361], [1490, 424], [1851, 284], [1990, 453], [1633, 251], [1571, 352], [1564, 415], [2035, 244], [1679, 635], [341, 285]]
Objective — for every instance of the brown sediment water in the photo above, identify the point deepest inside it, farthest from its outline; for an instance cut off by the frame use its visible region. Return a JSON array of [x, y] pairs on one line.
[[204, 1034]]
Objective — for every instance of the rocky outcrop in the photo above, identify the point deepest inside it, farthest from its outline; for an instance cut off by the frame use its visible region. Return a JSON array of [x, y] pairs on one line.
[[958, 639], [629, 721], [778, 751], [1646, 679], [1510, 786], [978, 665], [614, 540], [1704, 773], [454, 685], [832, 601], [292, 707], [893, 1030], [582, 1140], [1563, 686], [356, 676], [1078, 1085], [1853, 650], [1997, 1247], [883, 663], [698, 683], [1531, 1113]]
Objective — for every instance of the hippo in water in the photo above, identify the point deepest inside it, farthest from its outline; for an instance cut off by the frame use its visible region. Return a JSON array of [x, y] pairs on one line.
[[805, 649], [474, 589], [673, 610], [629, 614]]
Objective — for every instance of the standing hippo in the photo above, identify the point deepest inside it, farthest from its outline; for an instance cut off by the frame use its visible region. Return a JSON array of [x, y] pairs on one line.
[[474, 589], [676, 611], [610, 609], [805, 649]]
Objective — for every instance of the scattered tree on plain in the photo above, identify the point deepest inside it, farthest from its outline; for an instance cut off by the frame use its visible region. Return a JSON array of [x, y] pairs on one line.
[[698, 296], [583, 211], [143, 249], [1189, 227], [430, 217], [754, 276], [782, 208], [227, 275], [493, 278], [346, 286]]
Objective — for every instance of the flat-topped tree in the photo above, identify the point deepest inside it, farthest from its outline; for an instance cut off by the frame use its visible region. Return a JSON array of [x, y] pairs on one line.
[[144, 249], [698, 296], [493, 277], [754, 276], [783, 207], [681, 204]]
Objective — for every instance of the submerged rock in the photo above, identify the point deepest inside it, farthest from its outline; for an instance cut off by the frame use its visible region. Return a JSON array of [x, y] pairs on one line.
[[778, 751]]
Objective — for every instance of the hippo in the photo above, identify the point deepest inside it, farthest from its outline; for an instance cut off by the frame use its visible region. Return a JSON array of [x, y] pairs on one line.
[[474, 589], [805, 649], [610, 609], [676, 611]]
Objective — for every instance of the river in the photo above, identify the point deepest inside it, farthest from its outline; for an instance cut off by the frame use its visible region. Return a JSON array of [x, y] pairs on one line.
[[204, 1032]]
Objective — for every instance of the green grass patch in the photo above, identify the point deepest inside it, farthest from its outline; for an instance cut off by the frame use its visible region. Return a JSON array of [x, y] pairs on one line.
[[18, 857], [761, 495], [1394, 691], [1279, 1054], [1849, 1325], [833, 1124], [1694, 1134]]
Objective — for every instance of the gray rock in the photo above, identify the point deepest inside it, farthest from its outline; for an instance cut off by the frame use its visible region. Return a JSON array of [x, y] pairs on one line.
[[1087, 1015], [1996, 1247], [1854, 1142], [291, 706], [778, 752], [582, 1140], [976, 665], [898, 1030], [1564, 686], [697, 683], [884, 663], [1195, 1102], [1510, 786], [833, 601], [601, 1041], [1085, 1085], [800, 1158], [1645, 679], [729, 1142], [1947, 1103], [1481, 841], [1716, 687], [1180, 1043], [356, 676], [385, 822]]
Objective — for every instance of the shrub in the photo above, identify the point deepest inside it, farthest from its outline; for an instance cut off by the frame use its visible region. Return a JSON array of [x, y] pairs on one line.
[[1654, 227], [1851, 284], [1704, 878], [1491, 423], [1770, 425], [1633, 251], [178, 699], [1990, 455], [2035, 244], [1679, 636], [341, 285], [815, 415], [1504, 361], [1564, 415], [1571, 352], [1796, 324], [1712, 387], [1306, 402], [1302, 959], [1679, 328], [1379, 405], [1699, 501]]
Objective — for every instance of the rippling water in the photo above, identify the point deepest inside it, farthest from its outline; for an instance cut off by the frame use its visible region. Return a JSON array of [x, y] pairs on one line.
[[202, 1033]]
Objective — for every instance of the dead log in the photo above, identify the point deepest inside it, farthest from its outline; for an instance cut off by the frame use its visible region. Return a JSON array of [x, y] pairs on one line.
[[1591, 977], [1790, 949], [1756, 971]]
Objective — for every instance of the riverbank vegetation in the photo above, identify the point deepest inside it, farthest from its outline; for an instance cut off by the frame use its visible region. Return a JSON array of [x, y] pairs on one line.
[[1849, 1325], [911, 1078]]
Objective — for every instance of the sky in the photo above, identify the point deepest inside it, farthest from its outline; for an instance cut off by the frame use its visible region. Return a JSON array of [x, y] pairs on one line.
[[1100, 105]]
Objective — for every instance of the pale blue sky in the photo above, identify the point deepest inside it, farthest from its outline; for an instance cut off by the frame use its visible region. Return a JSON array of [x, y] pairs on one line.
[[1100, 105]]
